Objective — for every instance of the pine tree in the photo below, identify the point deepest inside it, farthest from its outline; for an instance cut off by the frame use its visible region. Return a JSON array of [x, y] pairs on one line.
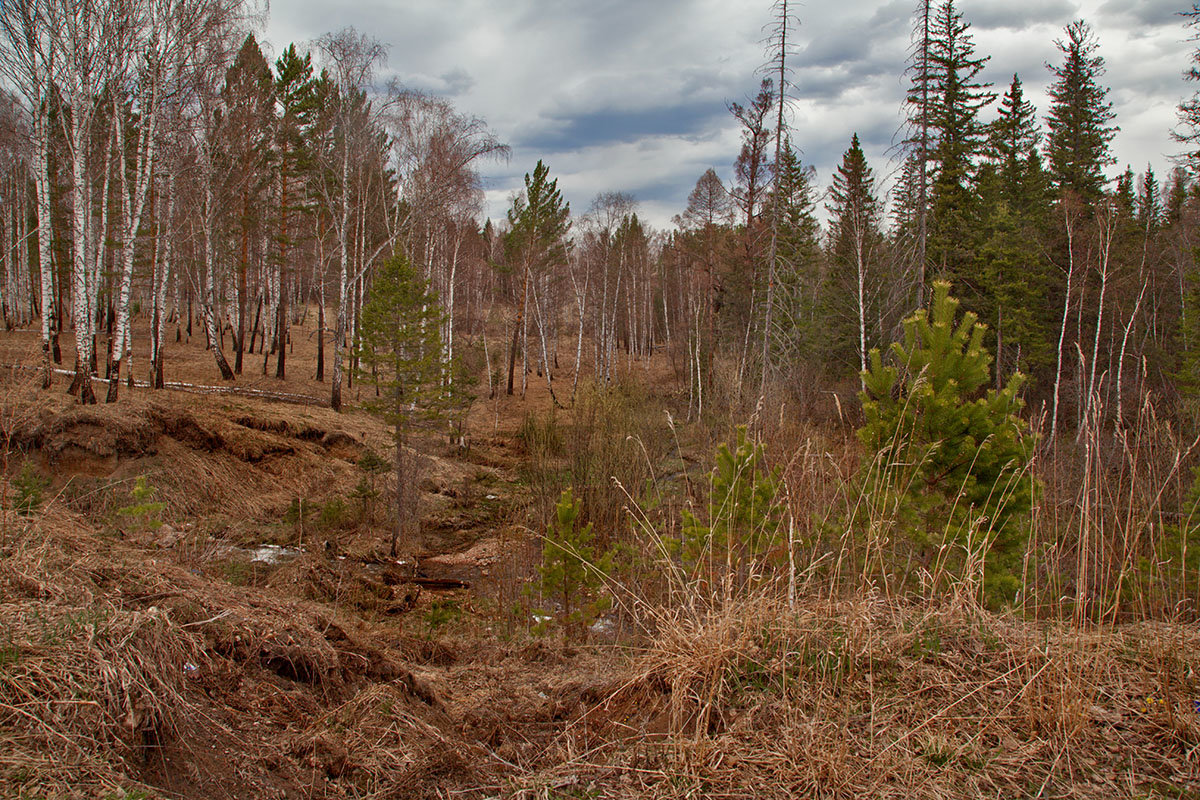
[[573, 572], [1080, 113], [751, 170], [539, 221], [400, 353], [246, 158], [296, 93], [949, 456]]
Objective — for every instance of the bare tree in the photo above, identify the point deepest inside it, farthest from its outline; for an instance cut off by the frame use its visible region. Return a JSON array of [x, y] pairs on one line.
[[27, 63], [352, 58], [779, 50]]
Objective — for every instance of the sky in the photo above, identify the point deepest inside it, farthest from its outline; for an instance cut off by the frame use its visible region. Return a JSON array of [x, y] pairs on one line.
[[632, 95]]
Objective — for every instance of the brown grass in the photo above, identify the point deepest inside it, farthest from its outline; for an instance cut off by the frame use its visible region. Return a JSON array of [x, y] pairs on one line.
[[323, 678]]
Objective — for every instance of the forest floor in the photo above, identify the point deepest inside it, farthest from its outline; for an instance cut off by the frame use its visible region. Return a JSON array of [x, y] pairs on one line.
[[254, 637]]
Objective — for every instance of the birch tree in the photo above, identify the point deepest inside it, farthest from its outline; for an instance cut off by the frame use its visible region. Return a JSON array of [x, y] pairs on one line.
[[27, 63], [352, 59]]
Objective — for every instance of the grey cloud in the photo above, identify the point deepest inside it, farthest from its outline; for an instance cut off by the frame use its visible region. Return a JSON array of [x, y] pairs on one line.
[[602, 127], [631, 95], [1018, 15], [450, 83], [1142, 12], [897, 12]]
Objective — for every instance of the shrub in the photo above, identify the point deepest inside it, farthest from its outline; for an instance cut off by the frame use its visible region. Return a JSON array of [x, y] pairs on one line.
[[367, 491], [334, 515]]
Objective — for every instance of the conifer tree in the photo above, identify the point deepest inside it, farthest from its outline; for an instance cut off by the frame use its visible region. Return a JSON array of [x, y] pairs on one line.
[[950, 456], [919, 142], [1188, 131], [1149, 208], [958, 97], [795, 327], [1080, 117], [1012, 147], [400, 353], [704, 241], [539, 221], [855, 245], [296, 94], [245, 158], [752, 171], [1013, 275]]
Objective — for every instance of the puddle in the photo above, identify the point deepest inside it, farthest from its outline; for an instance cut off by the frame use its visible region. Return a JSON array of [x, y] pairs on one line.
[[269, 554]]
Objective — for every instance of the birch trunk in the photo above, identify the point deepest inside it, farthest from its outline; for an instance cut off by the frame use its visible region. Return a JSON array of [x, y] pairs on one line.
[[208, 301], [132, 207], [82, 302], [339, 334], [1062, 333]]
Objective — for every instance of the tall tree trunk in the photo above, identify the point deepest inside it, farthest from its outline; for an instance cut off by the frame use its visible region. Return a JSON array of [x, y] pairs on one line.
[[242, 287], [132, 207], [281, 321], [781, 76], [321, 335], [339, 335], [81, 283], [1062, 333], [923, 156], [208, 303]]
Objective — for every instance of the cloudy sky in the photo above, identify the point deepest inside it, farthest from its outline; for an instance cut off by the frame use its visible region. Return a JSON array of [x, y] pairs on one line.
[[632, 95]]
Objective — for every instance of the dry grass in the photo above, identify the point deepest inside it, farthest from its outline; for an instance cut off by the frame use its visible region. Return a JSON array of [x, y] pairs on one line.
[[324, 680], [866, 698]]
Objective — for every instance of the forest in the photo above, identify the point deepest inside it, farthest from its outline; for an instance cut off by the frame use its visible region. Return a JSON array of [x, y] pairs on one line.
[[317, 482]]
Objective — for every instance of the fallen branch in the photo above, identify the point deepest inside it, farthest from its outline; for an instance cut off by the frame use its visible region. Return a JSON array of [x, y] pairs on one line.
[[196, 388]]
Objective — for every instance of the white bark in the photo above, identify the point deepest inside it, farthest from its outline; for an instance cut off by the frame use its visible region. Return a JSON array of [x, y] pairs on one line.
[[1062, 332], [132, 207]]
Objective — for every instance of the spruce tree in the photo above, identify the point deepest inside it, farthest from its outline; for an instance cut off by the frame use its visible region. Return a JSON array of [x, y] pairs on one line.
[[1012, 148], [796, 321], [855, 249], [1149, 208], [915, 181], [1080, 117], [1014, 275], [1188, 131], [954, 115]]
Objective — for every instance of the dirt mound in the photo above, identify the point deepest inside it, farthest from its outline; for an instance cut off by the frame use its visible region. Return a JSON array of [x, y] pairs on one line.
[[135, 427], [200, 459], [119, 671], [87, 435]]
